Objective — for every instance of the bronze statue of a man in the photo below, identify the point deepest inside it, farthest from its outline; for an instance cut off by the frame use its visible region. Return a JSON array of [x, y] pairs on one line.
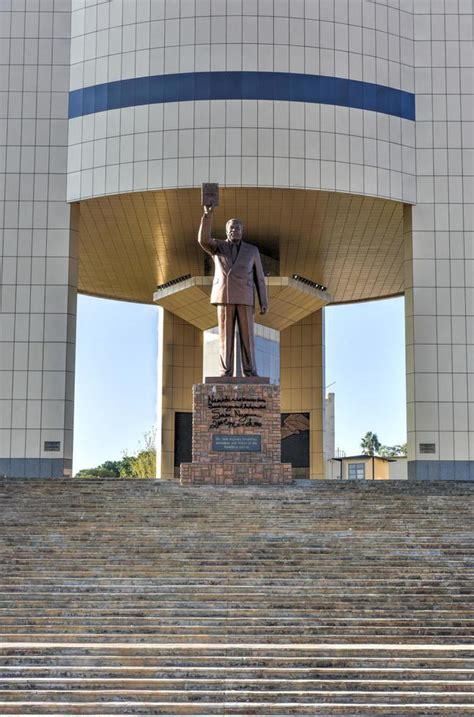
[[238, 272]]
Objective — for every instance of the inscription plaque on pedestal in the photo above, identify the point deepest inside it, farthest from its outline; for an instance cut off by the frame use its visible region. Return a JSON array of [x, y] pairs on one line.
[[222, 442], [236, 435]]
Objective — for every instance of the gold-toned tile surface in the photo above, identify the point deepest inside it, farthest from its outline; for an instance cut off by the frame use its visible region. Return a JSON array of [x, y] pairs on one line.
[[302, 382], [289, 302], [182, 356], [131, 243]]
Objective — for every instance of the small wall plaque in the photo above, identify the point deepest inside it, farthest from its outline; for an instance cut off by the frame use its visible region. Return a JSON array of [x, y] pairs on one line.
[[210, 195], [427, 447], [52, 445], [222, 442]]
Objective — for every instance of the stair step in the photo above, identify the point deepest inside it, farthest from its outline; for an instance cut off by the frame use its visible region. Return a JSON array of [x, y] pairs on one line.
[[141, 597]]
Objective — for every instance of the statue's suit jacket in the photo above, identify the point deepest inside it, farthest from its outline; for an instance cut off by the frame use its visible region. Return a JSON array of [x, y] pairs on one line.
[[234, 283]]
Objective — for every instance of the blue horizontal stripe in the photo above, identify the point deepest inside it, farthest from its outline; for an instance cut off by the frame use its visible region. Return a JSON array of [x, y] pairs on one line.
[[283, 86]]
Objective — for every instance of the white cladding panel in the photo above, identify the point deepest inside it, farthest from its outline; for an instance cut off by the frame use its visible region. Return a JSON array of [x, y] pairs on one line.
[[260, 143]]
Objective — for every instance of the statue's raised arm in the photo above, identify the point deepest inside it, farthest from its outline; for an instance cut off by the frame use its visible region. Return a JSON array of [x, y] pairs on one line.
[[204, 235]]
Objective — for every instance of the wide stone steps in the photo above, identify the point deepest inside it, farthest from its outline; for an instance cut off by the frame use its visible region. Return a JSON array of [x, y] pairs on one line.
[[272, 684], [286, 629], [137, 597], [209, 680]]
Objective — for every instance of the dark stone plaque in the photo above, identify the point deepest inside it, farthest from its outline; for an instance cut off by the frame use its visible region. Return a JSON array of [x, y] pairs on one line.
[[225, 442], [427, 447], [52, 445]]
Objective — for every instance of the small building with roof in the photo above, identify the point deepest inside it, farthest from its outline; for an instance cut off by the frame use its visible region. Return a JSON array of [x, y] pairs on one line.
[[364, 467]]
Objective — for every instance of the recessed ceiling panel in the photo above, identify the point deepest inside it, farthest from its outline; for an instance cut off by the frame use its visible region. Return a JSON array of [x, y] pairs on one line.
[[351, 244]]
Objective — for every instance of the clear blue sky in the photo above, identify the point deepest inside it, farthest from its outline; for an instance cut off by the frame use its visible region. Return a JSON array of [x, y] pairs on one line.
[[115, 379], [365, 356], [116, 375]]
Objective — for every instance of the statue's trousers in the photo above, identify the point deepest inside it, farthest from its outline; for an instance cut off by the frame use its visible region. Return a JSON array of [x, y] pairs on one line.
[[227, 315]]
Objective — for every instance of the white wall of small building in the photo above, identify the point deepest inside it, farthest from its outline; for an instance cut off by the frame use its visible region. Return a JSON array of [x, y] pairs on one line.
[[398, 470]]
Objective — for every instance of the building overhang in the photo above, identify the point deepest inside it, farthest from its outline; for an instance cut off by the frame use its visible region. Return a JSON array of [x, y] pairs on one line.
[[353, 245], [290, 300]]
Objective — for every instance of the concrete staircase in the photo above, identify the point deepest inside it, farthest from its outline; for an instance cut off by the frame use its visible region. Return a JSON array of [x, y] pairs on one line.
[[323, 598]]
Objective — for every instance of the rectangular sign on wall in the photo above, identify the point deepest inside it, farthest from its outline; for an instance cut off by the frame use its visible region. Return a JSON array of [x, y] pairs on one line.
[[224, 442], [427, 447], [52, 445]]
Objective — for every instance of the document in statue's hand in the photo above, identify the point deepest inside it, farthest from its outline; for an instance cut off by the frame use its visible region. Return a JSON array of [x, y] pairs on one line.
[[210, 195]]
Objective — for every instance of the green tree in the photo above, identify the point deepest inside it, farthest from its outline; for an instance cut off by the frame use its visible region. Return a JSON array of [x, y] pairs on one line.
[[370, 444], [141, 464], [393, 451], [112, 466], [98, 472], [125, 466]]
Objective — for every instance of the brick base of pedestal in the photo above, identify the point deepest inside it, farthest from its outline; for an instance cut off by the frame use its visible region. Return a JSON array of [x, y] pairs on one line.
[[235, 474], [236, 435]]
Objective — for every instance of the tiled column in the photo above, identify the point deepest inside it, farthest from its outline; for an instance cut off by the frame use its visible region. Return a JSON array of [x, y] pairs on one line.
[[302, 381], [179, 368], [38, 243], [439, 250]]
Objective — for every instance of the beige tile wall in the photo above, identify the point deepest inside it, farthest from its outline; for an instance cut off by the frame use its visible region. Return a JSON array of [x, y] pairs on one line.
[[38, 242], [439, 248], [242, 142]]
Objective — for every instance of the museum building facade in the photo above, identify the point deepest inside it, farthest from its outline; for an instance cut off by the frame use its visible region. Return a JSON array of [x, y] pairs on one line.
[[340, 132]]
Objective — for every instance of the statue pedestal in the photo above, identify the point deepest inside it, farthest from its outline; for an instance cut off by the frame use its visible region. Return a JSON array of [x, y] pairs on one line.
[[236, 434]]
